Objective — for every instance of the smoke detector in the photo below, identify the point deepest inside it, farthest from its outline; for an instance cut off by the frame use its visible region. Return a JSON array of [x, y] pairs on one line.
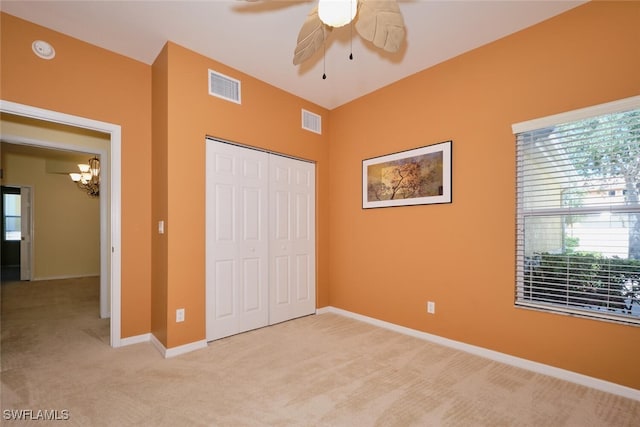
[[43, 49]]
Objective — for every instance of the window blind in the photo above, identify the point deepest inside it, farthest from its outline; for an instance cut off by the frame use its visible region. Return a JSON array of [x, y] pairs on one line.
[[578, 216]]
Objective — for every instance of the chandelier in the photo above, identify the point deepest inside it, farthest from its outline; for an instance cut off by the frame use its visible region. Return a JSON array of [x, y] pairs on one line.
[[89, 177]]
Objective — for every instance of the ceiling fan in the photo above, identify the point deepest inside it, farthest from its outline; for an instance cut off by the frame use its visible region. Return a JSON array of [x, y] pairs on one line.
[[377, 21]]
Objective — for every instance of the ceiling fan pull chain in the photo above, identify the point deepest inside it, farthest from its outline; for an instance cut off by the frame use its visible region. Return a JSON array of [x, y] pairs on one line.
[[351, 53], [351, 39], [324, 60]]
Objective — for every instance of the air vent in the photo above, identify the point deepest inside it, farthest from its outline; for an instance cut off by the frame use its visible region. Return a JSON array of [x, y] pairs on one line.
[[224, 87], [311, 121]]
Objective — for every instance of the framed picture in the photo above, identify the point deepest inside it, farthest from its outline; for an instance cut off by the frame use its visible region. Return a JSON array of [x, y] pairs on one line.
[[420, 176]]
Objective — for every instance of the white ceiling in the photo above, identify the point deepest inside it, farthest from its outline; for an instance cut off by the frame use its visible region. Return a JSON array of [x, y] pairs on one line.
[[258, 38]]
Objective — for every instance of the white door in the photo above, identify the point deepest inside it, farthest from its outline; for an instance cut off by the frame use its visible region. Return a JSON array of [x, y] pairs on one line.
[[292, 261], [236, 239], [260, 239], [25, 232]]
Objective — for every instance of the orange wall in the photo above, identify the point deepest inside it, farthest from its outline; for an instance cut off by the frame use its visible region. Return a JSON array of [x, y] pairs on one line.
[[87, 81], [159, 260], [267, 118], [387, 263]]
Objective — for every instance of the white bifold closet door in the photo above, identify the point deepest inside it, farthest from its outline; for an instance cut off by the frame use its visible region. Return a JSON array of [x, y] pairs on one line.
[[260, 239], [292, 260]]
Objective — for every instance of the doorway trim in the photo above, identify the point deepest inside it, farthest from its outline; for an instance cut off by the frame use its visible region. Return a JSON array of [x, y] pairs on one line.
[[26, 243], [110, 208]]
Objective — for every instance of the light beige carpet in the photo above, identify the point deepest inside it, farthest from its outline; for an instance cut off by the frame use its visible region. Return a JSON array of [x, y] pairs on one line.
[[324, 370]]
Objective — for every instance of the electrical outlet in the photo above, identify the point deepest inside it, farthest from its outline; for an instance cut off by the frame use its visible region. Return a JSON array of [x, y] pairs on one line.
[[180, 315], [431, 307]]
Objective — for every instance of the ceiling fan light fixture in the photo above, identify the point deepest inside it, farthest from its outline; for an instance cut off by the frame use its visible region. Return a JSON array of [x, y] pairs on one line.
[[337, 13]]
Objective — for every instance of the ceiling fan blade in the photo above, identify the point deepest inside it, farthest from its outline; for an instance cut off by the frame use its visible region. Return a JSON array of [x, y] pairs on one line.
[[311, 37], [265, 5], [381, 22]]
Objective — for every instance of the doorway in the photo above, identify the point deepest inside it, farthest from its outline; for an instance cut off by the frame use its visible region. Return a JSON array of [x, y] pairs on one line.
[[16, 255], [11, 233], [110, 250]]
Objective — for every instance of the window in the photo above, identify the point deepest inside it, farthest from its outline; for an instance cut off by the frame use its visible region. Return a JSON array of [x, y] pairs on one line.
[[578, 212], [12, 230]]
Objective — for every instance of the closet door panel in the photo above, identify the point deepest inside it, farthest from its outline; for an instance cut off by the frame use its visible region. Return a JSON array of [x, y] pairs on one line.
[[224, 292], [280, 280], [303, 275], [237, 297], [252, 284], [292, 220]]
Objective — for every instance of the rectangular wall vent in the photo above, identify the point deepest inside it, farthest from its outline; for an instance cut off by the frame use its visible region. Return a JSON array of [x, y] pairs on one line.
[[311, 121], [224, 87]]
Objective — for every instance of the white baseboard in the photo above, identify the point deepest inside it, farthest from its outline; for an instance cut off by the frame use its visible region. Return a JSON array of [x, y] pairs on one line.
[[177, 351], [158, 345], [540, 368], [166, 352], [77, 276], [137, 339]]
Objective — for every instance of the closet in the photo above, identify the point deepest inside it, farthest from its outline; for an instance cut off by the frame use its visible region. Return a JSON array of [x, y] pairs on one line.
[[260, 239]]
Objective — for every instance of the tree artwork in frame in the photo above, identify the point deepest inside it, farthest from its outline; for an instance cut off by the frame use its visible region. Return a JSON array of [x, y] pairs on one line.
[[421, 176]]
